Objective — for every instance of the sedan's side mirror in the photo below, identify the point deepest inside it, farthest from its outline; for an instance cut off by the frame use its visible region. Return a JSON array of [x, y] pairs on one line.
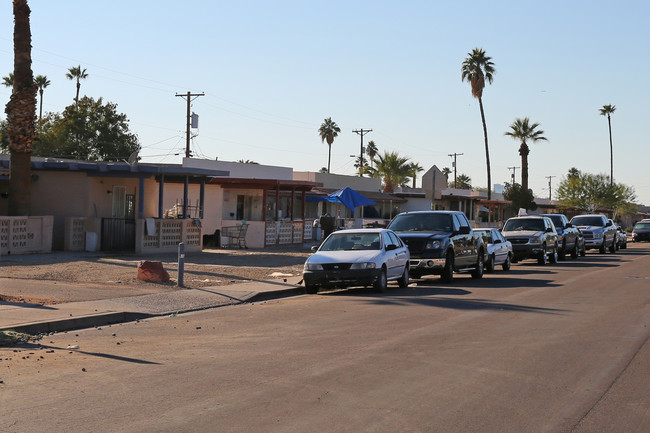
[[391, 247], [464, 230], [609, 224], [497, 241], [568, 225], [314, 249], [549, 230]]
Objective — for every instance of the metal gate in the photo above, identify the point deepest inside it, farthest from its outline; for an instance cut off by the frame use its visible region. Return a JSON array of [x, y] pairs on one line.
[[118, 234]]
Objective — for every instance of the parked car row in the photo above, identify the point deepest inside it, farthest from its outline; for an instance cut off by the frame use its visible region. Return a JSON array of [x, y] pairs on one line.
[[443, 243]]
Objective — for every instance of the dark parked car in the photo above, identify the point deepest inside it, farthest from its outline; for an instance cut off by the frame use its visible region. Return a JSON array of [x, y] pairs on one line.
[[599, 233], [441, 243], [570, 239], [641, 232], [532, 237]]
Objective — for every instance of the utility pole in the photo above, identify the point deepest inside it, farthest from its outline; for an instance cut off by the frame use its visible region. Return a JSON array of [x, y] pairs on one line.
[[513, 174], [549, 186], [454, 155], [361, 132], [190, 97]]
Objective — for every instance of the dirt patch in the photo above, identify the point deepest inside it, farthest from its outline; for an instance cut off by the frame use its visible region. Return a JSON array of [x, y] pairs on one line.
[[66, 277]]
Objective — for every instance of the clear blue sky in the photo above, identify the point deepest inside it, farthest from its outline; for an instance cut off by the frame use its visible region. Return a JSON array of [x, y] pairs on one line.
[[273, 70]]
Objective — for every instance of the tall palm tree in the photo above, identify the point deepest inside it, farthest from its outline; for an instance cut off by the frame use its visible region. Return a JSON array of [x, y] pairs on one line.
[[476, 69], [371, 151], [21, 111], [523, 130], [415, 169], [8, 81], [328, 131], [41, 82], [76, 73], [395, 170], [607, 110]]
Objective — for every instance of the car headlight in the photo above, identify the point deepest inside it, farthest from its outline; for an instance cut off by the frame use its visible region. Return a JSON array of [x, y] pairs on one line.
[[535, 241], [433, 245], [313, 267], [364, 265]]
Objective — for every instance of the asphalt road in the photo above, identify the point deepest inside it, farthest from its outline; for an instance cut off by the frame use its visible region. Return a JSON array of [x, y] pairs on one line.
[[557, 348]]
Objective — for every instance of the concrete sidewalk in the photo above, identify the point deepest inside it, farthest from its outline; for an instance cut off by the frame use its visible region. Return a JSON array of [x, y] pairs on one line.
[[38, 319]]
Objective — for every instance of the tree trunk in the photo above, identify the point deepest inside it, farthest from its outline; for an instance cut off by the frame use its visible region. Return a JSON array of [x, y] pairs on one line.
[[611, 152], [329, 156], [21, 114], [487, 150], [20, 184], [524, 151]]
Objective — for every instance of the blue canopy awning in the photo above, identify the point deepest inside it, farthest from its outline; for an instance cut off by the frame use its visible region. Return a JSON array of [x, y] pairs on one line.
[[349, 197]]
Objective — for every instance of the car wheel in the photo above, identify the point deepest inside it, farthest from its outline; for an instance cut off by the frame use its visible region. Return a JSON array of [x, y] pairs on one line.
[[404, 280], [312, 289], [448, 272], [624, 246], [561, 255], [583, 252], [612, 247], [478, 270], [576, 251], [382, 282], [489, 266], [553, 257], [543, 259], [602, 249], [506, 264]]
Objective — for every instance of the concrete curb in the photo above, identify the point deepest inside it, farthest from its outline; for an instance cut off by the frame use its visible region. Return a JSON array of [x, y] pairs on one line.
[[111, 318]]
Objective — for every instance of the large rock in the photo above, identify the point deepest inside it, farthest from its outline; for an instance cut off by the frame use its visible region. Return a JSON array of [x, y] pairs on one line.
[[152, 271]]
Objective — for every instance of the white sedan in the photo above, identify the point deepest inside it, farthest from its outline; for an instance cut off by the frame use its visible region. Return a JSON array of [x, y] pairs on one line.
[[499, 249], [362, 257]]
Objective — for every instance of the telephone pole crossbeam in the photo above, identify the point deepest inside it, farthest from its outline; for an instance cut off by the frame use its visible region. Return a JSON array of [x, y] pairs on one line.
[[361, 132], [190, 97]]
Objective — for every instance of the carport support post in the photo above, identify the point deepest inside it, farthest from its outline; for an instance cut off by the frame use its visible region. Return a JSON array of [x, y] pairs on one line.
[[181, 264]]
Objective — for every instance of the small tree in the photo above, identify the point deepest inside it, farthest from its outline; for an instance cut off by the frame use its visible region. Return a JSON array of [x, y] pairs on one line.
[[520, 198], [91, 131], [328, 131]]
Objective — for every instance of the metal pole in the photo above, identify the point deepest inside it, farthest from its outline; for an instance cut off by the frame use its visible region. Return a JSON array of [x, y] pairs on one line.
[[181, 264]]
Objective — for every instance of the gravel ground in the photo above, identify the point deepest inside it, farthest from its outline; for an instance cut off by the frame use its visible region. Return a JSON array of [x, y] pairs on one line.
[[118, 273]]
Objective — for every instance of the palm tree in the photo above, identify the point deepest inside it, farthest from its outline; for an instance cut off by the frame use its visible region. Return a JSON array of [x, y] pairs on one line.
[[371, 151], [523, 130], [477, 68], [21, 110], [328, 131], [415, 169], [41, 82], [463, 181], [8, 81], [607, 110], [394, 169], [357, 164], [76, 73]]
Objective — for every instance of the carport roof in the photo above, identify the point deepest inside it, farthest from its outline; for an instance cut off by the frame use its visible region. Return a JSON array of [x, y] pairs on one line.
[[114, 169]]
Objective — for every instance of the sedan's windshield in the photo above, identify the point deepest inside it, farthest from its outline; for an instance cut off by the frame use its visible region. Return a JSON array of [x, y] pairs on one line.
[[532, 224], [557, 221], [642, 226], [588, 221], [424, 222], [351, 241], [487, 234]]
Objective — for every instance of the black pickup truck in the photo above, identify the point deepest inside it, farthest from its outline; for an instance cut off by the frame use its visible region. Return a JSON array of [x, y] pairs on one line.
[[440, 243]]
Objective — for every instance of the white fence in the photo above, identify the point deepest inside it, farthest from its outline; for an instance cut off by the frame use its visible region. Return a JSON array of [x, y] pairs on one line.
[[26, 235]]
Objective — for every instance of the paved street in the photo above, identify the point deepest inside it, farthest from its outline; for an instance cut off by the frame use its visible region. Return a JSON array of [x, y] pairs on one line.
[[560, 348]]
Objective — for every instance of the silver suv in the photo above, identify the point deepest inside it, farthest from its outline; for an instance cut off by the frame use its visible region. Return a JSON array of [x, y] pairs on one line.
[[599, 233]]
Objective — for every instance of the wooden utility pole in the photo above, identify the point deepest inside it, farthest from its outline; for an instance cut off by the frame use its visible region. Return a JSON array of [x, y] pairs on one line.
[[549, 186], [514, 169], [454, 155], [190, 97], [361, 132]]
